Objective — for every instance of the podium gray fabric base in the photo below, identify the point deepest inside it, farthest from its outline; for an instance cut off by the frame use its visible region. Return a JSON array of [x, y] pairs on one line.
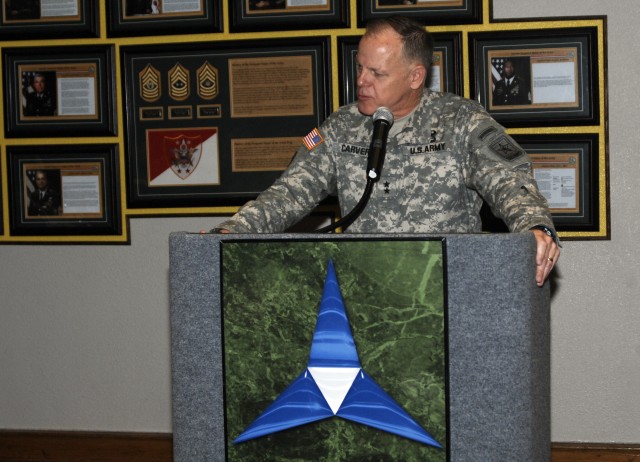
[[498, 334]]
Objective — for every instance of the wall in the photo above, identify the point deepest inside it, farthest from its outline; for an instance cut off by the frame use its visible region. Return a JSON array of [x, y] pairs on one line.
[[595, 319], [84, 331]]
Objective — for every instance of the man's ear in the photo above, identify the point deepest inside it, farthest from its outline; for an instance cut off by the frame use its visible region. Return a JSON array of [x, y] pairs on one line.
[[418, 77]]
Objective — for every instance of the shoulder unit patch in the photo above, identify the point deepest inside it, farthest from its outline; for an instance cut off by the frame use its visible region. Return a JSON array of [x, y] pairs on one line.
[[505, 148]]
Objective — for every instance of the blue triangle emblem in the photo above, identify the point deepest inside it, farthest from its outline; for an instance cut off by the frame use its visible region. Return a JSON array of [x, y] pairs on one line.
[[334, 384]]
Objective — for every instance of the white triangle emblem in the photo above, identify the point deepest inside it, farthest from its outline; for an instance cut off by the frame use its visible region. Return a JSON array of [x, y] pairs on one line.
[[334, 383]]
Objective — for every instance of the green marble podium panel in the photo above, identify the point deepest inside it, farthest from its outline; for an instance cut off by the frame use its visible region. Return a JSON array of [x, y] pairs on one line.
[[395, 296]]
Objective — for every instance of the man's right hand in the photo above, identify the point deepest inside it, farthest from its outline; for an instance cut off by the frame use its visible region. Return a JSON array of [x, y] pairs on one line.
[[215, 231]]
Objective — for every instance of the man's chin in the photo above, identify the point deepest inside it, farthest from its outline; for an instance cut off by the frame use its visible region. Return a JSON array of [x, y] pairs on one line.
[[366, 107]]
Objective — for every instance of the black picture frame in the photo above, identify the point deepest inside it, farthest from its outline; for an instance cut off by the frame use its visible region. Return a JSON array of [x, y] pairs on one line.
[[30, 20], [560, 69], [215, 96], [79, 91], [571, 163], [246, 15], [129, 18], [447, 59], [568, 169], [441, 13], [87, 201]]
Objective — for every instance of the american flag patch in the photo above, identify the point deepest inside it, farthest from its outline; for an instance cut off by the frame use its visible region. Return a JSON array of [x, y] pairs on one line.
[[313, 139]]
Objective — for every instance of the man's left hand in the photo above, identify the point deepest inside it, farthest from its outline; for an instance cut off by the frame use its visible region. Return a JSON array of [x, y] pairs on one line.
[[547, 254]]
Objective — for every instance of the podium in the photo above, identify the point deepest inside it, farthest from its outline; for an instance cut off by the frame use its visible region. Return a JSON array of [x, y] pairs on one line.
[[496, 345]]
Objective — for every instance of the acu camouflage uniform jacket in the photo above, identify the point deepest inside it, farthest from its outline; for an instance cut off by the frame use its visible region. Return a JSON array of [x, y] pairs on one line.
[[448, 156]]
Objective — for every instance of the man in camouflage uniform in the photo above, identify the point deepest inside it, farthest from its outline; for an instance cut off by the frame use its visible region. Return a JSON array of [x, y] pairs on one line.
[[444, 154]]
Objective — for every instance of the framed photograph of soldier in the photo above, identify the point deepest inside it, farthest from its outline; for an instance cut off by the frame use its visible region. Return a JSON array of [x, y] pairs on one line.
[[428, 12], [37, 19], [64, 190], [215, 123], [59, 91], [269, 15], [569, 171], [163, 17], [537, 77], [445, 73]]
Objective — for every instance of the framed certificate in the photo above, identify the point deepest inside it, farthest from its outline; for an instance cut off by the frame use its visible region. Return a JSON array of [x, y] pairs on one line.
[[163, 17], [537, 77], [266, 15], [428, 12], [568, 169], [59, 91], [37, 19], [64, 190]]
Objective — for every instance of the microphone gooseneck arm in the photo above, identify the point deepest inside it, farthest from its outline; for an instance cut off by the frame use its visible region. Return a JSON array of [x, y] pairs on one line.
[[382, 122], [349, 218]]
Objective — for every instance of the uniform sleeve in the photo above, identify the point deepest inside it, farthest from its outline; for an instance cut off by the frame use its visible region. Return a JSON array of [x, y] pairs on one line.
[[501, 173], [307, 181]]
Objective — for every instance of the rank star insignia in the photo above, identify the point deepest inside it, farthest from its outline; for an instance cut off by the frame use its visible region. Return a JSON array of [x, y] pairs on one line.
[[387, 190]]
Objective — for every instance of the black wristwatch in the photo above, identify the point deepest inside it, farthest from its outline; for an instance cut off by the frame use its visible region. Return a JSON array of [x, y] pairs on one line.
[[550, 232]]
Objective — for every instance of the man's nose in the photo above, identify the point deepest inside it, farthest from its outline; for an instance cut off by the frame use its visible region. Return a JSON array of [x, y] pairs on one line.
[[362, 79]]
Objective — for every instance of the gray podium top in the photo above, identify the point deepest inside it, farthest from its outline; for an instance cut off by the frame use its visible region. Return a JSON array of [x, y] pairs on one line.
[[498, 345]]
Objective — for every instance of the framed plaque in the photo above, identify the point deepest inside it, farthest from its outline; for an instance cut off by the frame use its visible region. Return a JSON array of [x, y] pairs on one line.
[[445, 74], [537, 77], [163, 17], [215, 123], [568, 169], [64, 190], [266, 15], [428, 12], [37, 19], [59, 91]]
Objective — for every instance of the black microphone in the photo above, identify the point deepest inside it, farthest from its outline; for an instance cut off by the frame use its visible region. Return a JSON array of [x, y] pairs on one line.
[[382, 122]]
